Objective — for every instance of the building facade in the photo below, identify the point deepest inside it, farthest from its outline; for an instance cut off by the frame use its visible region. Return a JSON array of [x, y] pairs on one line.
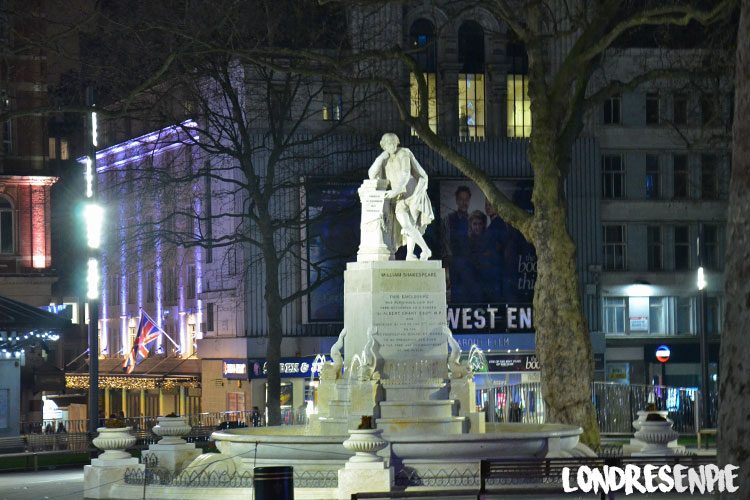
[[645, 182]]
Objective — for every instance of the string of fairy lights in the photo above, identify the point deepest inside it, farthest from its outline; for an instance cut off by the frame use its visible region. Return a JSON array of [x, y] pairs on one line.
[[73, 381], [15, 345]]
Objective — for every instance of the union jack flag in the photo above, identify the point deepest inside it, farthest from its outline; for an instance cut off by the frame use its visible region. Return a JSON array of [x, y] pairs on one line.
[[148, 333]]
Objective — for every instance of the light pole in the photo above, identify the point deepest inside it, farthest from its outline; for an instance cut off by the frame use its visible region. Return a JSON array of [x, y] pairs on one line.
[[702, 334], [93, 218]]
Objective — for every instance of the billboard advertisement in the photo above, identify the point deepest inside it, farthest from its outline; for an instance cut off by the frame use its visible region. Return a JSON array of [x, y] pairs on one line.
[[490, 268]]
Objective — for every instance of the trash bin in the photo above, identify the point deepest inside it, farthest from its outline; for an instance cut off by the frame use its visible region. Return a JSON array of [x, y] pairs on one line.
[[273, 483]]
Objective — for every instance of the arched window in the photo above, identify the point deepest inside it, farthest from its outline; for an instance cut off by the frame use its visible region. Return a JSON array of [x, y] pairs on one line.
[[519, 105], [6, 226], [471, 80], [424, 50]]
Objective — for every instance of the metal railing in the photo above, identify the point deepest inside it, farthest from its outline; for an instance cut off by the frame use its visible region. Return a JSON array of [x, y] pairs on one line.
[[64, 434], [616, 405]]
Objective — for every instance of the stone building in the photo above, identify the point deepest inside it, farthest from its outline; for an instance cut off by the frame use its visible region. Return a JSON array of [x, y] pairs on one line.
[[644, 183]]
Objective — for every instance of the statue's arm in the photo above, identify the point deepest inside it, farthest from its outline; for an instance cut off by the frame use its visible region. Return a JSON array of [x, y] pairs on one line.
[[418, 172], [376, 169]]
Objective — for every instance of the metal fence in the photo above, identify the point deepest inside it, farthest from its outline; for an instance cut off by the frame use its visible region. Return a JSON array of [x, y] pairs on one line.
[[63, 434], [616, 405]]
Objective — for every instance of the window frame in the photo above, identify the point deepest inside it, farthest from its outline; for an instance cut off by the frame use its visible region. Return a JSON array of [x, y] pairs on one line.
[[685, 173], [614, 251], [683, 245], [609, 176], [612, 110], [653, 172], [10, 210], [655, 248]]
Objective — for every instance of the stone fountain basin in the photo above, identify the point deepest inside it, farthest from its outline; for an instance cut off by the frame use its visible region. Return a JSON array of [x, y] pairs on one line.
[[499, 441]]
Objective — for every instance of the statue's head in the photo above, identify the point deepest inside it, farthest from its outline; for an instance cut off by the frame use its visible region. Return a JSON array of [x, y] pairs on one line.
[[389, 142]]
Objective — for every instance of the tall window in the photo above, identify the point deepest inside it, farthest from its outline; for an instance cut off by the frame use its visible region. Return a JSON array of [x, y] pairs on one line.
[[652, 109], [684, 315], [614, 247], [657, 314], [681, 176], [612, 110], [679, 109], [711, 246], [681, 248], [422, 41], [709, 177], [653, 178], [518, 104], [613, 314], [655, 247], [333, 102], [6, 226], [471, 118], [613, 177]]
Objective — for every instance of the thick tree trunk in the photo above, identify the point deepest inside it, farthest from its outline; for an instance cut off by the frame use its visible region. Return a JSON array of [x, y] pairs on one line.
[[563, 343], [734, 386], [274, 308]]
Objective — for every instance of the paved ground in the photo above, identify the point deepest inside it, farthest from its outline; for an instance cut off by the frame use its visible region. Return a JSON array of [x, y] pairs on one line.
[[64, 484], [67, 484]]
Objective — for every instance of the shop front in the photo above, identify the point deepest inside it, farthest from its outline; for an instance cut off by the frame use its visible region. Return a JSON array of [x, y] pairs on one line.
[[508, 386], [299, 385]]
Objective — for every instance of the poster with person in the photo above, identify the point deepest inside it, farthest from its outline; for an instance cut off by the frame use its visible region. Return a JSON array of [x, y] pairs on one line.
[[487, 261], [490, 267]]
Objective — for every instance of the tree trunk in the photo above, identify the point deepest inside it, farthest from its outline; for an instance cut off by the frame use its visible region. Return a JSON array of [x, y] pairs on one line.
[[734, 386], [562, 338], [273, 349]]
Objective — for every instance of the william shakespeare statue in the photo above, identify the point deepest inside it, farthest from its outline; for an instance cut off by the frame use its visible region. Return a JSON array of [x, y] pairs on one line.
[[407, 194]]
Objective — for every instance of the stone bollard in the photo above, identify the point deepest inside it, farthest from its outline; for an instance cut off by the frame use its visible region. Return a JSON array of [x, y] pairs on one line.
[[365, 471], [108, 471]]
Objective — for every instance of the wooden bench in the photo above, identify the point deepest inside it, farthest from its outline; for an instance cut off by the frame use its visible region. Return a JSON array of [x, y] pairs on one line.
[[706, 432], [12, 444], [544, 475]]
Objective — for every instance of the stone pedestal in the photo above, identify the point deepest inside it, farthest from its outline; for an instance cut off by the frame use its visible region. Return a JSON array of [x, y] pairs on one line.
[[109, 469], [172, 452], [403, 302], [365, 471], [375, 243], [173, 457], [100, 478], [636, 445]]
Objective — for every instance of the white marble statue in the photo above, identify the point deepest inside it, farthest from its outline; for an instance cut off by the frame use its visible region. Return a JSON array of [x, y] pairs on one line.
[[408, 192]]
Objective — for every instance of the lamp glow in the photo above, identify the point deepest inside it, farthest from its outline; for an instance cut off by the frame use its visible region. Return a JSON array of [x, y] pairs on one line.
[[88, 175], [93, 214], [94, 132], [92, 279], [701, 279]]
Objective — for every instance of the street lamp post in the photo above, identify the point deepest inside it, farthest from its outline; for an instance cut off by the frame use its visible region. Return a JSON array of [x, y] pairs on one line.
[[702, 333], [93, 218]]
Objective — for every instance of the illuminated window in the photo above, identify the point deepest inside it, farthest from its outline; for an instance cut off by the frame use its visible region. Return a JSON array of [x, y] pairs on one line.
[[415, 101], [518, 104], [471, 103], [422, 42], [6, 226]]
